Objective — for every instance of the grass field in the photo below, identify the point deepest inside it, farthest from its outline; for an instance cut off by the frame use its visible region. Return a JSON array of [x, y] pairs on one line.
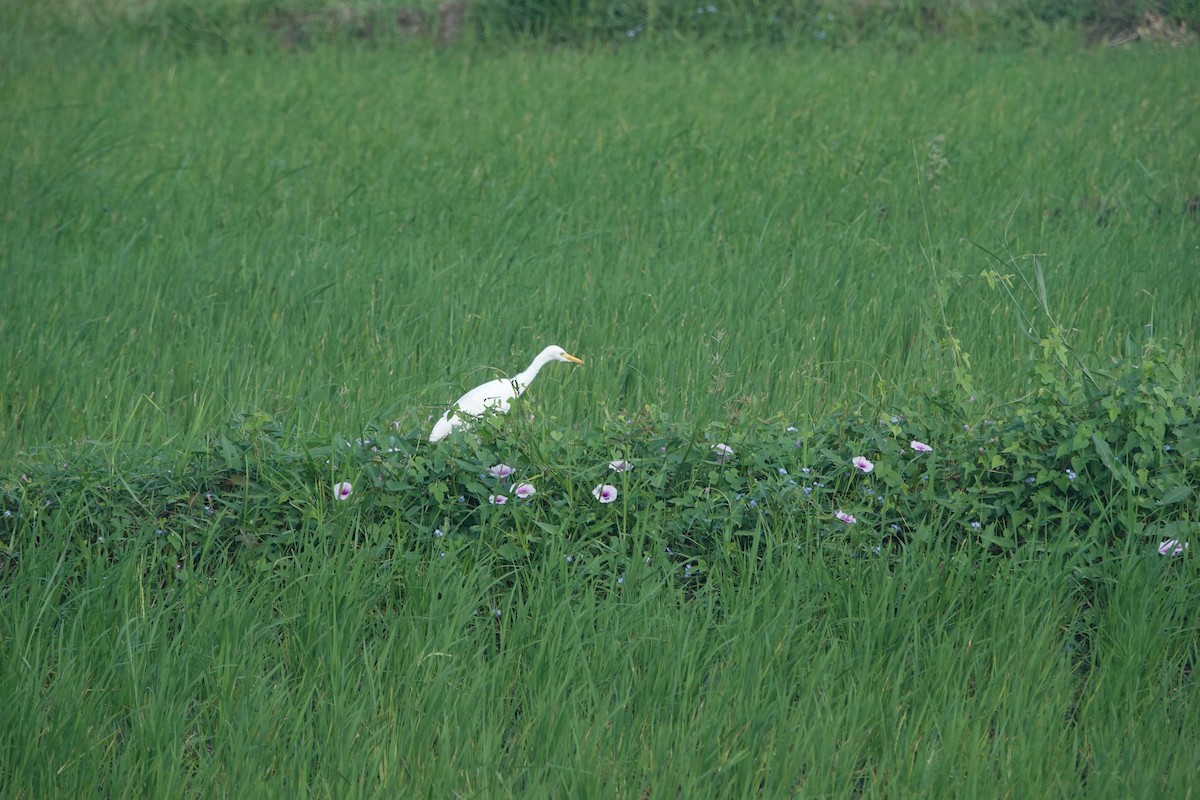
[[734, 239]]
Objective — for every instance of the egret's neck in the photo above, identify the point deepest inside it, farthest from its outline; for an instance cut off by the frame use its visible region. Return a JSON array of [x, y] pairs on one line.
[[523, 379]]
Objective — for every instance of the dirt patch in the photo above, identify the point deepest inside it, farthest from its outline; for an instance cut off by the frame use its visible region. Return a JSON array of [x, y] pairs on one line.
[[1158, 29]]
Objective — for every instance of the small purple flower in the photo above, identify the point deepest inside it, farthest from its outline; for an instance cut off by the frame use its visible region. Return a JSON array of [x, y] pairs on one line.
[[342, 491], [524, 490], [844, 517], [620, 465], [605, 493], [497, 499], [1172, 547], [500, 471], [862, 464], [920, 447], [723, 451]]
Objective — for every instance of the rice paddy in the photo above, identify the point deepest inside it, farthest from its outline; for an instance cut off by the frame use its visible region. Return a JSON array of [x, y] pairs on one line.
[[343, 239]]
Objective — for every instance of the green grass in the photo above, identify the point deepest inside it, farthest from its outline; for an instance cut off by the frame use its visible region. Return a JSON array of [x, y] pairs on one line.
[[344, 675], [333, 239], [358, 235]]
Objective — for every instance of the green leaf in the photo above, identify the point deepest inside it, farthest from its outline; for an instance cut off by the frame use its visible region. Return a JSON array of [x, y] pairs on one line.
[[1175, 494], [1119, 470]]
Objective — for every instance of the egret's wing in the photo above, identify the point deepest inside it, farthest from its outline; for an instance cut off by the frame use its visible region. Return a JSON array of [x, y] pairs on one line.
[[497, 394], [493, 395]]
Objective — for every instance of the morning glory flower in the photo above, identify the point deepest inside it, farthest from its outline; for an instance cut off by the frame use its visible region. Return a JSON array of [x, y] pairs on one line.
[[497, 499], [605, 493], [620, 465], [844, 517], [524, 490], [343, 490], [920, 447], [723, 451], [862, 464], [500, 471], [1172, 547]]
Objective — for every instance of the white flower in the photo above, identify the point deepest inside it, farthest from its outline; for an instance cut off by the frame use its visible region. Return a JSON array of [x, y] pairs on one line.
[[497, 499], [524, 490], [343, 490], [605, 493], [620, 465], [723, 451], [862, 464], [844, 517], [500, 471], [920, 447], [1172, 547]]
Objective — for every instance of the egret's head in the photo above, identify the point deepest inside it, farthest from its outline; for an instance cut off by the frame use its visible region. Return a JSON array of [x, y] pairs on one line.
[[562, 355]]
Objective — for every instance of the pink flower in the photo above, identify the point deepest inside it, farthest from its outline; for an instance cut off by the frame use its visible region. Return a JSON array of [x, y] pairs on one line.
[[1172, 547], [524, 490], [620, 466], [862, 464], [501, 471], [920, 447], [343, 490], [605, 493], [497, 499], [723, 451], [844, 517]]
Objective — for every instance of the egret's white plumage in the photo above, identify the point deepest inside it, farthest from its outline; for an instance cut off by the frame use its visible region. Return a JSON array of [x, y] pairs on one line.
[[496, 395]]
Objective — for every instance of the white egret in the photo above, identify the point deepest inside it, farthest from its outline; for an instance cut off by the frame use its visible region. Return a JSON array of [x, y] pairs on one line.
[[496, 395]]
